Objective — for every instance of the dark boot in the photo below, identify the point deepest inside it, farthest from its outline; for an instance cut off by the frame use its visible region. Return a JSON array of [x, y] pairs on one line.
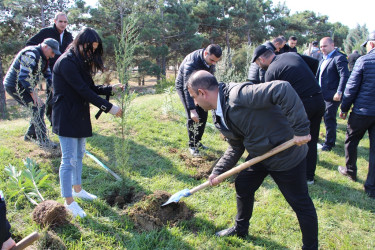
[[350, 174]]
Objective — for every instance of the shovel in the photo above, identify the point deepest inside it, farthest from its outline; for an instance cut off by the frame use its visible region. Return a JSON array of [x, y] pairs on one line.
[[186, 192], [27, 241]]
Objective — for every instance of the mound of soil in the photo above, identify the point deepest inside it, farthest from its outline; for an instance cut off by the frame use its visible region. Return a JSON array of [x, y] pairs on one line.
[[51, 213], [116, 198], [149, 215], [51, 241]]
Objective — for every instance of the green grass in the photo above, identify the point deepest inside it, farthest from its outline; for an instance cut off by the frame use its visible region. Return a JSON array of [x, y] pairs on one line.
[[157, 141]]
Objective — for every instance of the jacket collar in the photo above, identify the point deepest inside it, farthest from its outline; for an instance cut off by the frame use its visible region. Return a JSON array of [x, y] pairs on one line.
[[39, 49]]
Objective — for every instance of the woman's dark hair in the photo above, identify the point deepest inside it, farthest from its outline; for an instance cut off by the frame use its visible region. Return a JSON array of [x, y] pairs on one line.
[[92, 60]]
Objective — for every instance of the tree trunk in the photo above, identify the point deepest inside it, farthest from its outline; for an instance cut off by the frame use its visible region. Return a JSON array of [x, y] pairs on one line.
[[42, 17], [164, 66], [2, 94], [228, 48], [248, 37]]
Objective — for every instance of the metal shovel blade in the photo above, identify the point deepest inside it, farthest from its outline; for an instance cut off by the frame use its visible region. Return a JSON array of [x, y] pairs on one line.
[[177, 196]]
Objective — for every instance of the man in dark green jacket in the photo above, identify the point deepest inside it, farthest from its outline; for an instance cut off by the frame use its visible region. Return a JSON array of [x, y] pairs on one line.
[[258, 118]]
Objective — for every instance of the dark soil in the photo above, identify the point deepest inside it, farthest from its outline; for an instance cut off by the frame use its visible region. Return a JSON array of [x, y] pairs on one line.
[[121, 198], [148, 214], [203, 165], [50, 213], [50, 241]]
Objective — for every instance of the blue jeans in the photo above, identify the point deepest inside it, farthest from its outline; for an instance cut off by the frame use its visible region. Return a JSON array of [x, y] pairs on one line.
[[72, 151]]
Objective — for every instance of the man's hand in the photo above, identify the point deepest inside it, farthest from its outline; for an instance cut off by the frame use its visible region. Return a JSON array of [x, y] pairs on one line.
[[194, 115], [212, 179], [337, 97], [8, 244], [37, 101], [343, 115], [300, 140]]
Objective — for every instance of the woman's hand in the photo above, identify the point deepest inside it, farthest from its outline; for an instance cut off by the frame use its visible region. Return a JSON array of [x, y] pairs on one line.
[[118, 87]]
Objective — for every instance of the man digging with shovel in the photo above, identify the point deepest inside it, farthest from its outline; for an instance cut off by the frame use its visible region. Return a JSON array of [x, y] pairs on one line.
[[258, 118]]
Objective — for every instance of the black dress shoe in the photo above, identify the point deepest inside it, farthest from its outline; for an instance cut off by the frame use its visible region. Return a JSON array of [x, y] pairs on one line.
[[344, 171], [230, 232]]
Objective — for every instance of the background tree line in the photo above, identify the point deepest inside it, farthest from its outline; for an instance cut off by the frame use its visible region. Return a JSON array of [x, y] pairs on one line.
[[170, 29]]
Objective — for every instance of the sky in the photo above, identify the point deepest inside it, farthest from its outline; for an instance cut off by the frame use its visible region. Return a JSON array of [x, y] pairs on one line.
[[348, 12]]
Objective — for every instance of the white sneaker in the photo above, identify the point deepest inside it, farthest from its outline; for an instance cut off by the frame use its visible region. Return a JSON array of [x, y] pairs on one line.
[[84, 195], [194, 152], [75, 209], [310, 182]]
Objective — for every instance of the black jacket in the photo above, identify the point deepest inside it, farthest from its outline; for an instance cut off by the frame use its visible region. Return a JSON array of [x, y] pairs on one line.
[[52, 32], [291, 67], [352, 58], [192, 62], [260, 117], [74, 90], [360, 89], [4, 224], [256, 74], [286, 49]]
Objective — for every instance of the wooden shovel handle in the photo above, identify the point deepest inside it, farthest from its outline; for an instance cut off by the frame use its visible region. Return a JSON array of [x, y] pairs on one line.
[[27, 241], [247, 164]]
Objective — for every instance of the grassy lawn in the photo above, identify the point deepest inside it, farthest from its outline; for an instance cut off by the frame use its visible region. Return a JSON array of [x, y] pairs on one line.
[[158, 160]]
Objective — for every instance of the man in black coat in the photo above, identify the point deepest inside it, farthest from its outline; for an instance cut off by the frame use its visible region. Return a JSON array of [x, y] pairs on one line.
[[332, 76], [352, 58], [290, 46], [59, 33], [256, 74], [360, 92], [291, 67], [256, 118], [202, 59]]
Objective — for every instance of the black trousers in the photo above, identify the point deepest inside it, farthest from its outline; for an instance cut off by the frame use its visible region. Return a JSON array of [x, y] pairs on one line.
[[292, 184], [314, 107], [356, 129], [330, 122], [195, 131], [37, 127]]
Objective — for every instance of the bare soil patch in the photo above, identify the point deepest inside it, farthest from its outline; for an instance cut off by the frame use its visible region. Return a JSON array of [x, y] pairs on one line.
[[203, 165], [123, 198], [148, 214]]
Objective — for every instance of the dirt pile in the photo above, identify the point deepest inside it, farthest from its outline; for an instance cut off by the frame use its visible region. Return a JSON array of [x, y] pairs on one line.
[[149, 215], [51, 213]]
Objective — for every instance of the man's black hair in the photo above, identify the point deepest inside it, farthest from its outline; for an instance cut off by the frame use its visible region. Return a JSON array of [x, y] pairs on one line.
[[214, 49], [293, 38]]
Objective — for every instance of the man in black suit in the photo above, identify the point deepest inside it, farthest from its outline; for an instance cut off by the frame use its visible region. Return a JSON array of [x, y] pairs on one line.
[[332, 76]]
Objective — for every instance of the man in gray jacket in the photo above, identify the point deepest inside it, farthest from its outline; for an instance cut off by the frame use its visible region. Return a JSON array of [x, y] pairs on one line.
[[258, 118]]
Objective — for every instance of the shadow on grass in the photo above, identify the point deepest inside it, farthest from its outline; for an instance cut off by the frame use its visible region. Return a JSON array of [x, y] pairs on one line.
[[333, 192], [143, 160]]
